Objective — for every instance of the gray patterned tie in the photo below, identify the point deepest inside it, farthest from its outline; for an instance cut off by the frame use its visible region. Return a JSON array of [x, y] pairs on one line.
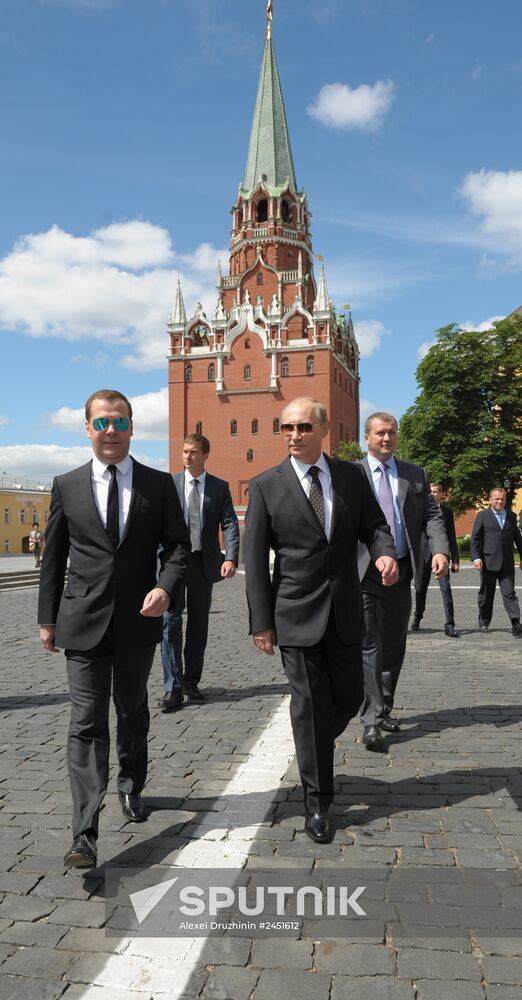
[[195, 517], [315, 495], [385, 498]]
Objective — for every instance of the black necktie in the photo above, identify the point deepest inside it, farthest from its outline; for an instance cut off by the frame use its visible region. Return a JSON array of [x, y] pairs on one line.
[[315, 495], [113, 508], [195, 517]]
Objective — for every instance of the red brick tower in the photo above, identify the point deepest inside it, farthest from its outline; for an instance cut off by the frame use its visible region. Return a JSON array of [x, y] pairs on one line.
[[275, 334]]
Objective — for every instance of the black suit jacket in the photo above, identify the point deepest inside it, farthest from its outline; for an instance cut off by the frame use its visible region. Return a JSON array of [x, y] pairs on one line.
[[495, 546], [420, 514], [310, 571], [104, 583], [218, 512]]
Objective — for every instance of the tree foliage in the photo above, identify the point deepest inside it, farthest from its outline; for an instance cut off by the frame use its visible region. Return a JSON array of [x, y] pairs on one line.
[[466, 423], [349, 451]]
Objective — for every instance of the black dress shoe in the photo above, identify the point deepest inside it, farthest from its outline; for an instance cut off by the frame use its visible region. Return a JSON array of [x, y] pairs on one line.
[[192, 691], [390, 725], [172, 701], [82, 853], [317, 827], [415, 625], [516, 628], [372, 739], [451, 632], [133, 807]]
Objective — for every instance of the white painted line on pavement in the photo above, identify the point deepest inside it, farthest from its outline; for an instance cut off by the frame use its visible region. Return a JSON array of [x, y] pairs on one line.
[[151, 967]]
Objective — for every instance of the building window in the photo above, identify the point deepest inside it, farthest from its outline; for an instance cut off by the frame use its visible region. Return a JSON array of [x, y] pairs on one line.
[[262, 210], [259, 277], [250, 455], [23, 517], [211, 373], [309, 366], [276, 425], [188, 373], [199, 427], [247, 373], [247, 344], [233, 427], [285, 368], [255, 425], [7, 515], [285, 211], [7, 545]]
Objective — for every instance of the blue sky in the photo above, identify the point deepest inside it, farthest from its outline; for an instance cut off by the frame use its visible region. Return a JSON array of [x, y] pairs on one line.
[[125, 127]]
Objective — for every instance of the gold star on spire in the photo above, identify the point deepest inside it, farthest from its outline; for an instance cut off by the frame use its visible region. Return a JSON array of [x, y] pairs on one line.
[[269, 19]]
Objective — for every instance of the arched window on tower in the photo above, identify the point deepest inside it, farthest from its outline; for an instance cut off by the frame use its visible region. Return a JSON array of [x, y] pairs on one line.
[[259, 277], [262, 210], [233, 427], [285, 211], [188, 373], [250, 455], [247, 373], [255, 425], [211, 372], [247, 344], [310, 366], [276, 425], [285, 368], [199, 427]]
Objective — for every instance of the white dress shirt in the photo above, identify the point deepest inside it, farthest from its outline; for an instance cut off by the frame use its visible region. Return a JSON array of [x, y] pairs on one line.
[[325, 478], [188, 490], [100, 479], [393, 478]]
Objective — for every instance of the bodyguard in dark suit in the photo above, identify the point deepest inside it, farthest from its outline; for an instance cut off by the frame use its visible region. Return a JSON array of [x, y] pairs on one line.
[[208, 507], [404, 495], [312, 511], [494, 536], [444, 581], [108, 518]]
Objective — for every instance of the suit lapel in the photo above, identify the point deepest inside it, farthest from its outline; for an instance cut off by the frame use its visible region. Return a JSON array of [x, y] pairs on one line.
[[298, 495], [86, 497], [336, 498], [208, 495], [136, 495]]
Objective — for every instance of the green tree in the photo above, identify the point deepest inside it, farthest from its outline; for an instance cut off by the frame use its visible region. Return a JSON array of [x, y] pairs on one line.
[[466, 423], [349, 451]]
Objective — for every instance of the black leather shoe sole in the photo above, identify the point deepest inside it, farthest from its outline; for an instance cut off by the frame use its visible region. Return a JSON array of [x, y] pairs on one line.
[[80, 856], [318, 828], [133, 808]]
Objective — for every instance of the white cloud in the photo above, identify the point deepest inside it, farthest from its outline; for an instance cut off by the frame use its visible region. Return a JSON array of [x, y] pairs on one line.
[[41, 462], [424, 348], [150, 417], [480, 327], [3, 421], [339, 106], [369, 333], [496, 198], [115, 285], [365, 408], [476, 73]]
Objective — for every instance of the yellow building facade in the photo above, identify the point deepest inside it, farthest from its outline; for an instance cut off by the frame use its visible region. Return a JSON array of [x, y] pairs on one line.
[[19, 508]]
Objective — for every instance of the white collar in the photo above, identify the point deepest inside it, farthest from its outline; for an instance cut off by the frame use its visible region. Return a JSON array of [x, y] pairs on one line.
[[100, 468], [200, 479], [301, 468], [375, 463]]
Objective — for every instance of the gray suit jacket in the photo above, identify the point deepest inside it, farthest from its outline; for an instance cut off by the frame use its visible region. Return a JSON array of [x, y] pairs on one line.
[[493, 545], [419, 513], [105, 584], [218, 512], [311, 571]]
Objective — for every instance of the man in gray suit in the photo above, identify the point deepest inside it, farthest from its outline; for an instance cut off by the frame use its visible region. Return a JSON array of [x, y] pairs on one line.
[[312, 510], [494, 536], [403, 492], [108, 519], [208, 507]]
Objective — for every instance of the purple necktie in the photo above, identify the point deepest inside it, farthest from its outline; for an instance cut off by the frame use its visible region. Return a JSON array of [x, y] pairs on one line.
[[385, 498]]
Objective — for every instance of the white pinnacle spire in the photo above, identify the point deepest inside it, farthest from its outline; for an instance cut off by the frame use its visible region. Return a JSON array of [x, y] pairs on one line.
[[322, 302], [179, 315]]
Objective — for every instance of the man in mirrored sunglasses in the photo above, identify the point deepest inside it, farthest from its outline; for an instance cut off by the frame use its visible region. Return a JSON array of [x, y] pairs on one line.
[[312, 511], [108, 518]]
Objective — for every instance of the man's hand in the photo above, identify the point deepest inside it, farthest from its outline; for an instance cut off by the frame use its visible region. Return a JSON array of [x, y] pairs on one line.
[[265, 641], [47, 635], [388, 569], [155, 603], [478, 564], [455, 567], [228, 569], [439, 565]]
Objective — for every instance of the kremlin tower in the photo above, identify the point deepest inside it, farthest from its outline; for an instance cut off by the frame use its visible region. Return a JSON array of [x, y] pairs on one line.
[[274, 334]]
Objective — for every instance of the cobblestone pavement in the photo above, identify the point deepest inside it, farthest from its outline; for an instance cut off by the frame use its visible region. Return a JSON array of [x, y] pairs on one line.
[[434, 827]]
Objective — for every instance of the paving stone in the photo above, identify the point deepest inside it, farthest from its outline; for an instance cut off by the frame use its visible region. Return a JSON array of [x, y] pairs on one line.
[[493, 942], [445, 989], [371, 987], [440, 939], [292, 984], [502, 970], [35, 933], [417, 964], [497, 992], [229, 983], [40, 963], [355, 959], [22, 987], [79, 913], [274, 953]]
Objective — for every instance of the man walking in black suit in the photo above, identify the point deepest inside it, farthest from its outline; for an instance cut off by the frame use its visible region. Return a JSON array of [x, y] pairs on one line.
[[108, 518], [444, 581], [494, 536], [403, 492], [207, 506], [312, 511]]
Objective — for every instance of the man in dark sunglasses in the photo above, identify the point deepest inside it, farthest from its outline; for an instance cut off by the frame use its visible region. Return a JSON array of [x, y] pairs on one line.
[[312, 511], [108, 519]]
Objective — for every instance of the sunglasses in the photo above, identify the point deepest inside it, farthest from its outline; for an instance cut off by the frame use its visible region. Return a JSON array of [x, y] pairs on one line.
[[119, 423], [304, 428]]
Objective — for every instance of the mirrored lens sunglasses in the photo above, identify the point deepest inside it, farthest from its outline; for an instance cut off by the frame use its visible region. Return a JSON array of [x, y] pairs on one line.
[[119, 423]]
